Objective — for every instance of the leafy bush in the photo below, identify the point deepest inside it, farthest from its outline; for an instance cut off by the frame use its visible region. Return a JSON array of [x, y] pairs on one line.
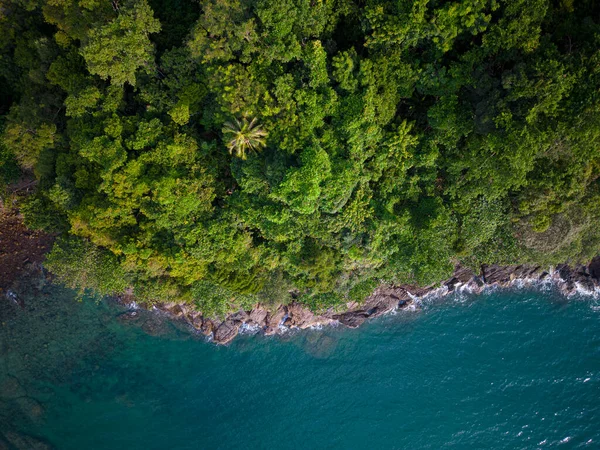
[[80, 265]]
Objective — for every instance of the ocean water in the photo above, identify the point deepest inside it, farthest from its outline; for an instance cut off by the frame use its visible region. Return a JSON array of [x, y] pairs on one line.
[[504, 370]]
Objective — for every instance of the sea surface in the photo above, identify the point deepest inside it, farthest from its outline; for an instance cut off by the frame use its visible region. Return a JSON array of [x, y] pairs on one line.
[[503, 370]]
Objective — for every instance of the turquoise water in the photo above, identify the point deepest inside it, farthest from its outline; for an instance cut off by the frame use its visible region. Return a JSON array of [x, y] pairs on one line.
[[508, 370]]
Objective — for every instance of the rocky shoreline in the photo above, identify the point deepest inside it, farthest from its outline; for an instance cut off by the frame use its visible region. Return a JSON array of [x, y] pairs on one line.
[[583, 279]]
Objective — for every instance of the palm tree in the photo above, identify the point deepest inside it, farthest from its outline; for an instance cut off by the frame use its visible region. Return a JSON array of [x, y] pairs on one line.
[[244, 136]]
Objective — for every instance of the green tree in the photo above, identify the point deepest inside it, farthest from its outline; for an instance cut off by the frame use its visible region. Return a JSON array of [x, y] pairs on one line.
[[244, 136], [118, 49]]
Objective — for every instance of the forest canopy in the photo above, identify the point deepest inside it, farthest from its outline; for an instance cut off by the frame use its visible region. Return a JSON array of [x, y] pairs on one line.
[[224, 152]]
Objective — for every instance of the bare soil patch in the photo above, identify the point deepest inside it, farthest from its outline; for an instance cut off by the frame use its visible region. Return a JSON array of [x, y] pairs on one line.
[[20, 247]]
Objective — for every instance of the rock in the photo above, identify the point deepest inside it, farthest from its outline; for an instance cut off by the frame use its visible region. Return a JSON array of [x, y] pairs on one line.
[[240, 316], [526, 272], [207, 327], [10, 388], [462, 275], [300, 316], [405, 303], [417, 291], [129, 316], [380, 305], [274, 319], [564, 272], [594, 269], [154, 326], [226, 332], [495, 274], [258, 316], [574, 279], [352, 319], [319, 345], [383, 300], [197, 322], [31, 408], [504, 275], [24, 442]]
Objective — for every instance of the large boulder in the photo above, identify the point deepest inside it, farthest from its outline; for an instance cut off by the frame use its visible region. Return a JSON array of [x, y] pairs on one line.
[[226, 332], [299, 316], [258, 316]]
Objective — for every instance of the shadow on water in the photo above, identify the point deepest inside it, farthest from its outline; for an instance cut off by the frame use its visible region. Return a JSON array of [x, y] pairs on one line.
[[53, 346]]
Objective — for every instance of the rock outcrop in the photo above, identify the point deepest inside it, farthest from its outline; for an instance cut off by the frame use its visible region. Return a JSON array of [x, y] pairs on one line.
[[227, 331], [385, 299]]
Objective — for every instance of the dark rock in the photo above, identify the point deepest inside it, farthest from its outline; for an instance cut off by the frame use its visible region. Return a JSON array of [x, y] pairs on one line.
[[462, 275], [10, 388], [503, 275], [154, 326], [404, 303], [31, 408], [129, 316], [594, 268], [24, 442], [352, 319], [564, 272], [381, 303]]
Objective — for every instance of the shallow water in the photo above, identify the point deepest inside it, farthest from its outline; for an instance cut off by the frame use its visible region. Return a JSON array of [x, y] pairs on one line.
[[505, 370]]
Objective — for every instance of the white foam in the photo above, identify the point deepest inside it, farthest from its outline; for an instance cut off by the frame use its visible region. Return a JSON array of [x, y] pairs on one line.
[[249, 329]]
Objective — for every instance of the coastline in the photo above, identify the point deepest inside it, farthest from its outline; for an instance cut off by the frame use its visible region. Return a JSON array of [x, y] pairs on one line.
[[277, 320], [26, 249]]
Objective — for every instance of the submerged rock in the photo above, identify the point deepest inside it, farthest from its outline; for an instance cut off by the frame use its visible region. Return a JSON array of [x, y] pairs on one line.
[[21, 441]]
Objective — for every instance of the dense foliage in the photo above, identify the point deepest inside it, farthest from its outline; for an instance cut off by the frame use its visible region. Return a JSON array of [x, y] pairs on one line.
[[228, 151]]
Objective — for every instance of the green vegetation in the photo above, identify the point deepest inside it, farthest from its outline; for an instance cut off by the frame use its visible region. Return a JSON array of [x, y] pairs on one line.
[[225, 152]]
